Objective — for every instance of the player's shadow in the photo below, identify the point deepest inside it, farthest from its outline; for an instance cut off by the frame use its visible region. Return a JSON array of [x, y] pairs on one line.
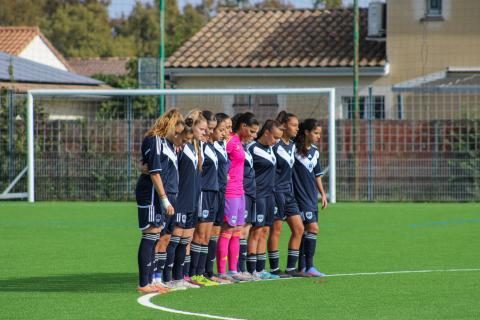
[[90, 282]]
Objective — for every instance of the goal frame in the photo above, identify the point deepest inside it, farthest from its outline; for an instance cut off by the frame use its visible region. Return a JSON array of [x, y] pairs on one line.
[[32, 94]]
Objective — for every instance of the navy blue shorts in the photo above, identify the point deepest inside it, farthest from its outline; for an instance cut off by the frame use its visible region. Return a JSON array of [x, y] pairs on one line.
[[185, 220], [221, 209], [169, 220], [309, 216], [150, 216], [286, 205], [209, 208], [265, 211], [250, 209]]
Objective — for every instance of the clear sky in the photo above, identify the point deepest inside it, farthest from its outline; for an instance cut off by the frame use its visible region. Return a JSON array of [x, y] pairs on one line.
[[125, 6]]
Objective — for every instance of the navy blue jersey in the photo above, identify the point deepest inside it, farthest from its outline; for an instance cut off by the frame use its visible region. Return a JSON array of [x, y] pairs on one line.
[[188, 187], [264, 164], [285, 154], [305, 170], [223, 165], [209, 176], [248, 173], [169, 167], [151, 156]]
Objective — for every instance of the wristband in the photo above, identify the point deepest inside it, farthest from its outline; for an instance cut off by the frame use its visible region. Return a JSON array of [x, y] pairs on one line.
[[165, 203]]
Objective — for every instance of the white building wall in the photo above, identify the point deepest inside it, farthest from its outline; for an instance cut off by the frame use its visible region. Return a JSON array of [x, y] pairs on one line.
[[38, 51]]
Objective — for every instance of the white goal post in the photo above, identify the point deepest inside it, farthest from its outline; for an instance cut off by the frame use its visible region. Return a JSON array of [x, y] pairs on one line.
[[32, 94]]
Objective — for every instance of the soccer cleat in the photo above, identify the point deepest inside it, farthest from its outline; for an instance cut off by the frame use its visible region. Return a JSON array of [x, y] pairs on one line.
[[281, 274], [189, 285], [147, 289], [312, 272], [219, 280], [239, 276], [264, 275], [248, 276], [191, 281], [296, 274], [227, 278], [204, 281], [175, 285]]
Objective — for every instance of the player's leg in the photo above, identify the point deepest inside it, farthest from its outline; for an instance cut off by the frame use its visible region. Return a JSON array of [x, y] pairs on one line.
[[310, 243]]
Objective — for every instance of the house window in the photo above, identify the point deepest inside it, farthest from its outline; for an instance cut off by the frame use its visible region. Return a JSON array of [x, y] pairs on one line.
[[434, 8], [377, 111], [264, 106]]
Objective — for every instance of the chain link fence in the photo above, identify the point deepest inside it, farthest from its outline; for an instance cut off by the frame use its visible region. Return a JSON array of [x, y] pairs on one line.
[[406, 146]]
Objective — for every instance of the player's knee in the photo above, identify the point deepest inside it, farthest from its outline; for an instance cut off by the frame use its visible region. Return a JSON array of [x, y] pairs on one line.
[[312, 228]]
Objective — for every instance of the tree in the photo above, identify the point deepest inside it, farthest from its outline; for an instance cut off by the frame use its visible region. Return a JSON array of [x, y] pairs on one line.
[[328, 4], [81, 30], [21, 13], [274, 4]]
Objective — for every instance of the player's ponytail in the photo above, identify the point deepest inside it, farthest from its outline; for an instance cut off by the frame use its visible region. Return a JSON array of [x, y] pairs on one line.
[[300, 139], [284, 116], [194, 118], [268, 126]]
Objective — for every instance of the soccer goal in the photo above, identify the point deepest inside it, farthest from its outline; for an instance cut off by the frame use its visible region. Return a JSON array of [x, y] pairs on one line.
[[82, 144]]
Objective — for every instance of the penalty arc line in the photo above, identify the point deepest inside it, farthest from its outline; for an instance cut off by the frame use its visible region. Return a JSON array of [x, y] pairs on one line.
[[145, 299]]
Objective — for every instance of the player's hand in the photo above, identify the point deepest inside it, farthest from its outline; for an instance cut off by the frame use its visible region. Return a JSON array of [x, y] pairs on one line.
[[324, 202], [170, 210], [144, 168]]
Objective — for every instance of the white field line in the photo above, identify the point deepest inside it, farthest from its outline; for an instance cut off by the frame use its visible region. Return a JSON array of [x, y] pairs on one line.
[[145, 299]]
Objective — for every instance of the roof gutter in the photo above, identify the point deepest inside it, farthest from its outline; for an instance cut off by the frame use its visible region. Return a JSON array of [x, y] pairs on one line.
[[277, 72]]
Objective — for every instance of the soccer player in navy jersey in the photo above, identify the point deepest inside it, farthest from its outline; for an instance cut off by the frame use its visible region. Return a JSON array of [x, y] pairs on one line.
[[208, 205], [187, 200], [220, 134], [307, 182], [153, 202], [287, 209], [264, 164]]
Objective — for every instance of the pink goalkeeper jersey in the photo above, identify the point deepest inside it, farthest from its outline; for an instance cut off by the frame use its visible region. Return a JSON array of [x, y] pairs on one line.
[[236, 154]]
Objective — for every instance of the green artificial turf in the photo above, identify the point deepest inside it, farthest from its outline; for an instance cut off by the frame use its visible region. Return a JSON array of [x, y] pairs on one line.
[[78, 260]]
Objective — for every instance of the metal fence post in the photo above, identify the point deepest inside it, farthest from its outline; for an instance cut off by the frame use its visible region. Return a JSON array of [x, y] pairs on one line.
[[370, 143], [129, 144]]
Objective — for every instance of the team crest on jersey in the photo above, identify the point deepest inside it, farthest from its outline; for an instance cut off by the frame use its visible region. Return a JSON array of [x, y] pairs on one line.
[[246, 214], [205, 214], [260, 218], [158, 218], [184, 218], [234, 219], [275, 210], [309, 215]]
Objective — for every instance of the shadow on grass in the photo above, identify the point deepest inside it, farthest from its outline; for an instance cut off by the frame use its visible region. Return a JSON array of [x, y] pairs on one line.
[[90, 282]]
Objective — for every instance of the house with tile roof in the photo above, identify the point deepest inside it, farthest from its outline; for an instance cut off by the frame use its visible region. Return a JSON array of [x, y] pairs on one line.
[[20, 75], [314, 48], [30, 43]]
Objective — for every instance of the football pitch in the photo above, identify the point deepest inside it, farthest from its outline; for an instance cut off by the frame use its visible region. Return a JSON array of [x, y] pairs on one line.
[[77, 260]]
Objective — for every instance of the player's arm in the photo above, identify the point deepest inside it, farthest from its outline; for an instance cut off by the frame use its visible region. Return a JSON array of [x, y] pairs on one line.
[[158, 185], [318, 181]]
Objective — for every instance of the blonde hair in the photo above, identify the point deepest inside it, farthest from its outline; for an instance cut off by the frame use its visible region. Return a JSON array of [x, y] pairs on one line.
[[166, 123], [194, 117]]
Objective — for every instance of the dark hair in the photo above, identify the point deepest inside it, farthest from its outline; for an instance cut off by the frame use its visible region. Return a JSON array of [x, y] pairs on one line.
[[269, 124], [283, 117], [221, 117], [246, 118], [209, 115], [300, 143]]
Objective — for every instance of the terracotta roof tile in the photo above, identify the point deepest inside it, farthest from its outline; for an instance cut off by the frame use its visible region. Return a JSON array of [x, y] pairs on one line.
[[278, 38], [91, 66], [13, 40]]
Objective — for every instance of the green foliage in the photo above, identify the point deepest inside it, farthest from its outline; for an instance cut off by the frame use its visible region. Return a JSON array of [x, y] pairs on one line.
[[81, 30], [328, 4]]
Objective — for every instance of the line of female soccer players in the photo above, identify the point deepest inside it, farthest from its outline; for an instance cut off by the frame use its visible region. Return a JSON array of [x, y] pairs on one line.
[[219, 188]]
